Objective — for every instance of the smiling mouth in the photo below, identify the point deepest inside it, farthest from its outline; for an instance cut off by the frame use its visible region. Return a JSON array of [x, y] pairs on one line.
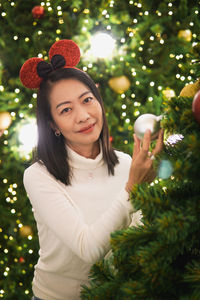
[[87, 129]]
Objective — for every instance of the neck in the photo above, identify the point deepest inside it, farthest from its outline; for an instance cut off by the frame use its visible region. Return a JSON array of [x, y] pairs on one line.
[[87, 151]]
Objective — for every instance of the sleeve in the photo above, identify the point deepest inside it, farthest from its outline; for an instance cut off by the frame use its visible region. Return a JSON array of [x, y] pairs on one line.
[[60, 215]]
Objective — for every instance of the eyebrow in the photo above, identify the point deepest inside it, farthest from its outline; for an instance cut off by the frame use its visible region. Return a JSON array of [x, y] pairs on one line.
[[67, 102]]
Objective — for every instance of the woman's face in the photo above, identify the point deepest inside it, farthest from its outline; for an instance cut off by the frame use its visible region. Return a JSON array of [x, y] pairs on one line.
[[77, 114]]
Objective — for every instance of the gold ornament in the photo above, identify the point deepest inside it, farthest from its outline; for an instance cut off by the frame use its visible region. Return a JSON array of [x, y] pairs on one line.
[[185, 35], [25, 231], [5, 120], [168, 93], [119, 84], [190, 89]]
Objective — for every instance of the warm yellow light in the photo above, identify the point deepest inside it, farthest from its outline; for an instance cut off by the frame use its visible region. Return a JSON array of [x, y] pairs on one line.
[[102, 45], [28, 136]]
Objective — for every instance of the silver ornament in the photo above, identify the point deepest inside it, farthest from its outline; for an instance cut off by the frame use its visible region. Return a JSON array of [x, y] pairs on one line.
[[147, 121]]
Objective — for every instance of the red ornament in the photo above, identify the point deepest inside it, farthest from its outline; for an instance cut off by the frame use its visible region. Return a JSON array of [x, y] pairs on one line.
[[38, 12], [196, 106], [21, 260], [111, 139]]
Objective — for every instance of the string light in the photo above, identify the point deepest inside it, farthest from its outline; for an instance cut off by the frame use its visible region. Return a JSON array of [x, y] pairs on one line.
[[136, 113], [137, 103]]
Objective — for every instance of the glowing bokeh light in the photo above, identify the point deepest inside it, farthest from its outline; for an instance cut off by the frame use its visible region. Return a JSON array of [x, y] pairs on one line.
[[102, 45], [28, 136]]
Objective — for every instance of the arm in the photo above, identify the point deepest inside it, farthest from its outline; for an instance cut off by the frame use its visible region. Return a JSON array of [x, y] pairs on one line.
[[58, 212]]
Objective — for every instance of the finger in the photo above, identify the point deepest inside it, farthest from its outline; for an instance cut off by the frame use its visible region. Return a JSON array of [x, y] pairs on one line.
[[136, 146], [146, 140], [146, 144], [159, 144]]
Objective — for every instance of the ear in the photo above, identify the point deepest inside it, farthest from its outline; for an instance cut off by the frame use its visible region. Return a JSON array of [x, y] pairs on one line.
[[53, 126]]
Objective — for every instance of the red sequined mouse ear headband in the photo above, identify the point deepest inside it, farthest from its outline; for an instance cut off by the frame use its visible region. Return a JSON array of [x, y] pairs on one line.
[[62, 54]]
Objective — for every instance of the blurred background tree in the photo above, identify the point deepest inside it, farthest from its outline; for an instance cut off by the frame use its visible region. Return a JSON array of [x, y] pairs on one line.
[[138, 52]]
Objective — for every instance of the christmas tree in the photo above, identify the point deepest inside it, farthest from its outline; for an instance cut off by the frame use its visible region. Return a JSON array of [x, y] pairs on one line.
[[160, 258], [146, 54]]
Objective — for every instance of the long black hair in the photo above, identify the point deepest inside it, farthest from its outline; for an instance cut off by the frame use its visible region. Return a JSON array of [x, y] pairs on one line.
[[51, 150]]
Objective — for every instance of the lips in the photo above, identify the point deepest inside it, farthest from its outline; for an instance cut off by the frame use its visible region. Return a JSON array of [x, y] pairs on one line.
[[87, 128]]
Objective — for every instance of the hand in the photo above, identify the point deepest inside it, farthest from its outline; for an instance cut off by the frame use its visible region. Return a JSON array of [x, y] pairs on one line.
[[141, 169]]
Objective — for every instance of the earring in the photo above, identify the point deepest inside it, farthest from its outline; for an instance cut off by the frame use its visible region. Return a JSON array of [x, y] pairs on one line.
[[57, 133]]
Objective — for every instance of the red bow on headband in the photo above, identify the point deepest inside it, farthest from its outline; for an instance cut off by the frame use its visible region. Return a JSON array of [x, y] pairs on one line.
[[62, 54]]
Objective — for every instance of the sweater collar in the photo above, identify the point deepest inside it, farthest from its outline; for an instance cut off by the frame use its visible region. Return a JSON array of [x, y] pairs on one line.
[[80, 162]]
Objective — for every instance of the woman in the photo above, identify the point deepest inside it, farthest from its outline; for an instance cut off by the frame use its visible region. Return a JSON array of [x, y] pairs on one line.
[[79, 186]]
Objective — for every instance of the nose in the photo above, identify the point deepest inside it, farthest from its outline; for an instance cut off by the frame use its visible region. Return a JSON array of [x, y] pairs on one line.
[[82, 115]]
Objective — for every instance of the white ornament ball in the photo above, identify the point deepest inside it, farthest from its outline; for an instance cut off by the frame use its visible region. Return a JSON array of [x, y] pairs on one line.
[[147, 121]]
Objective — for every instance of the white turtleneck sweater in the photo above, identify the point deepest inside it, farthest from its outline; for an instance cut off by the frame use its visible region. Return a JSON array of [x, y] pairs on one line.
[[74, 222]]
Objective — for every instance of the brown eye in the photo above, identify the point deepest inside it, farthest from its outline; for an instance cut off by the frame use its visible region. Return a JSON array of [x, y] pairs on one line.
[[65, 110], [88, 99]]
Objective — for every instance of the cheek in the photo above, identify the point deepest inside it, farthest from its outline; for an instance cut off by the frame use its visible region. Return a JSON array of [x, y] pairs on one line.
[[100, 117], [99, 111]]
